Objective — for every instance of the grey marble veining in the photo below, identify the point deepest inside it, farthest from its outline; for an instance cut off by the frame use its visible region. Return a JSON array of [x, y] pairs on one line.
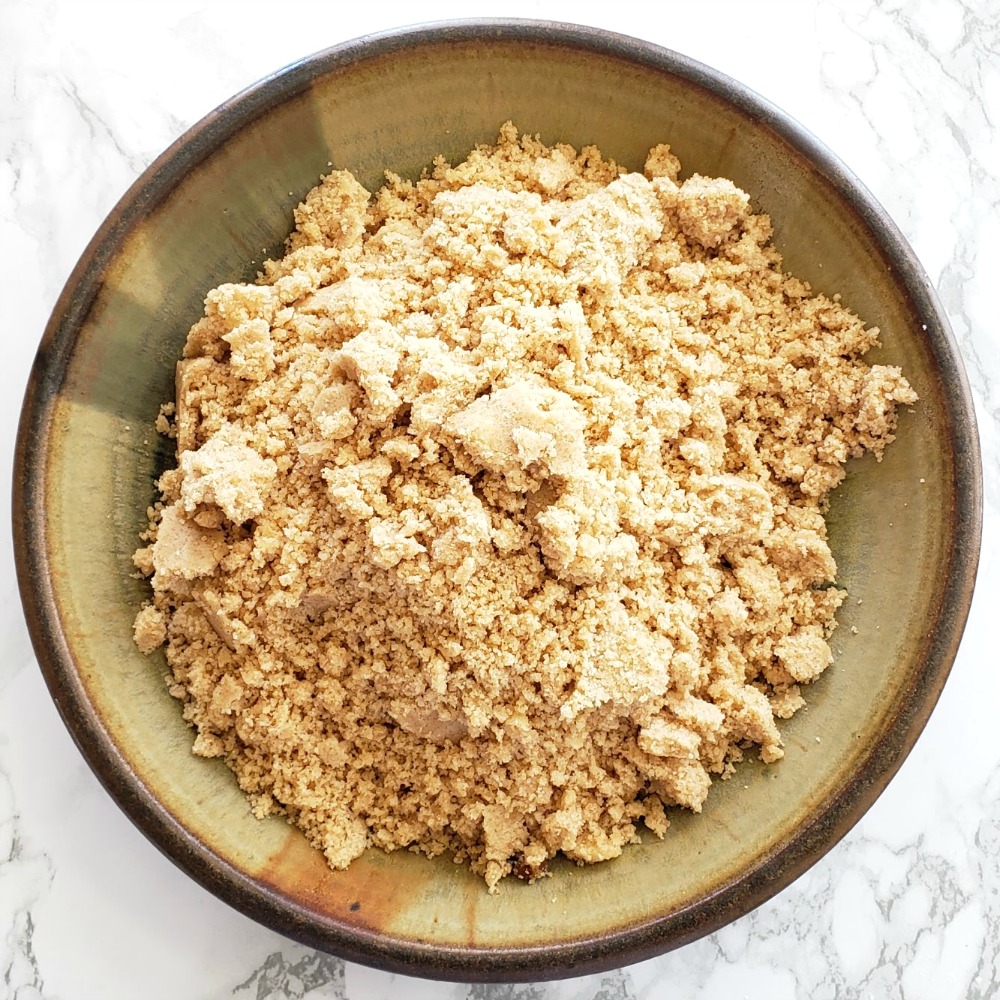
[[907, 92]]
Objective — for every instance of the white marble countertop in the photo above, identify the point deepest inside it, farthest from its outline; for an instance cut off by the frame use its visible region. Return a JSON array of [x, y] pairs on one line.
[[908, 95]]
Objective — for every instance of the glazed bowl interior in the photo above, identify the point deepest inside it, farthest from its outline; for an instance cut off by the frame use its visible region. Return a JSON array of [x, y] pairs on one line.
[[904, 531]]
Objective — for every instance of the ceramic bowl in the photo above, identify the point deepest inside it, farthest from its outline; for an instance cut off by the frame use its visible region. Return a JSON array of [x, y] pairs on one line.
[[905, 532]]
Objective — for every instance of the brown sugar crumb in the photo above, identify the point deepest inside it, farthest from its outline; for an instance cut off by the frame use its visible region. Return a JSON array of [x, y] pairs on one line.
[[497, 526], [150, 629]]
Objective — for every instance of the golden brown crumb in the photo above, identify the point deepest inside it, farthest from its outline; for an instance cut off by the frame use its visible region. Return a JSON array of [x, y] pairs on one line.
[[497, 521], [150, 629]]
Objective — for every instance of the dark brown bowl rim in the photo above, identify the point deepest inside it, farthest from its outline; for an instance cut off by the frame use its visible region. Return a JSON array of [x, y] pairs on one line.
[[769, 873]]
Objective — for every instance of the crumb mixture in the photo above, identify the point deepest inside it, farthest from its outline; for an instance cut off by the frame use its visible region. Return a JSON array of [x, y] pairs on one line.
[[497, 524]]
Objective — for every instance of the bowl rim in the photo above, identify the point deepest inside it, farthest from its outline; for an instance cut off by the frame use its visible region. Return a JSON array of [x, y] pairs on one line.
[[769, 873]]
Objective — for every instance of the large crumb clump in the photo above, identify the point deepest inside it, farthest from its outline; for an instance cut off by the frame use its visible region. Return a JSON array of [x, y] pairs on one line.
[[497, 521]]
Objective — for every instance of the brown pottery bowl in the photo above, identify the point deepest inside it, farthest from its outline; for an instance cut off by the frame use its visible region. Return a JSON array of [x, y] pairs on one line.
[[905, 532]]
